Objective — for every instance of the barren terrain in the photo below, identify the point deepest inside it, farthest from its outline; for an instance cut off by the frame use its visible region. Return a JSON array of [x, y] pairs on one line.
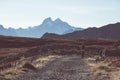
[[63, 68], [54, 59]]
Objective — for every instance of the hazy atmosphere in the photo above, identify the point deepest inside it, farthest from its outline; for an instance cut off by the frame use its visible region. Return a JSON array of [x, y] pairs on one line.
[[79, 13], [59, 39]]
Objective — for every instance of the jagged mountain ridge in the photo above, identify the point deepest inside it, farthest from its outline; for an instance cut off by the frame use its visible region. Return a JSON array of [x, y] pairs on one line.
[[110, 31], [57, 26], [8, 32]]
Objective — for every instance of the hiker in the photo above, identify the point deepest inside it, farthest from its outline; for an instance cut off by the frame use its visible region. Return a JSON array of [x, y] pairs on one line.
[[82, 50], [116, 44], [102, 53]]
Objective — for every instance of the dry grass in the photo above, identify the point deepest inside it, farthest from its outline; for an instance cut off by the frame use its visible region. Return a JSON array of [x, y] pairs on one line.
[[42, 61], [38, 52], [19, 69], [102, 69], [12, 51], [12, 72]]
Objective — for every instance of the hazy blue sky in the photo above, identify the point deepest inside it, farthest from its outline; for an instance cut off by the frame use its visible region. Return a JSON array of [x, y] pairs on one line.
[[80, 13]]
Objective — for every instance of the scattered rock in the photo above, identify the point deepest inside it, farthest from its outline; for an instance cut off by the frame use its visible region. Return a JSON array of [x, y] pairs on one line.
[[29, 66], [115, 63]]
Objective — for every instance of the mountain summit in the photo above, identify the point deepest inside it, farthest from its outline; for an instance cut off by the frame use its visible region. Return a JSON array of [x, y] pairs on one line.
[[48, 26], [47, 20], [1, 27], [58, 20]]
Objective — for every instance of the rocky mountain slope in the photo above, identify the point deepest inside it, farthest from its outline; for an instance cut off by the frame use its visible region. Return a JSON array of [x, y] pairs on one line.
[[110, 31], [48, 25]]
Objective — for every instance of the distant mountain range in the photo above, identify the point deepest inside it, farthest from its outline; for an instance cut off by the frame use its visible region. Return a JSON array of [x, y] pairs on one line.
[[48, 26], [110, 31]]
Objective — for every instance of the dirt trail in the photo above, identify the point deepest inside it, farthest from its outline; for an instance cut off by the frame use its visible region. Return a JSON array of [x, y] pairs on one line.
[[63, 68]]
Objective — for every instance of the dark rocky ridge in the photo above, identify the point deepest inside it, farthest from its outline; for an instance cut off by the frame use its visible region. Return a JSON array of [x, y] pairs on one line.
[[110, 31]]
